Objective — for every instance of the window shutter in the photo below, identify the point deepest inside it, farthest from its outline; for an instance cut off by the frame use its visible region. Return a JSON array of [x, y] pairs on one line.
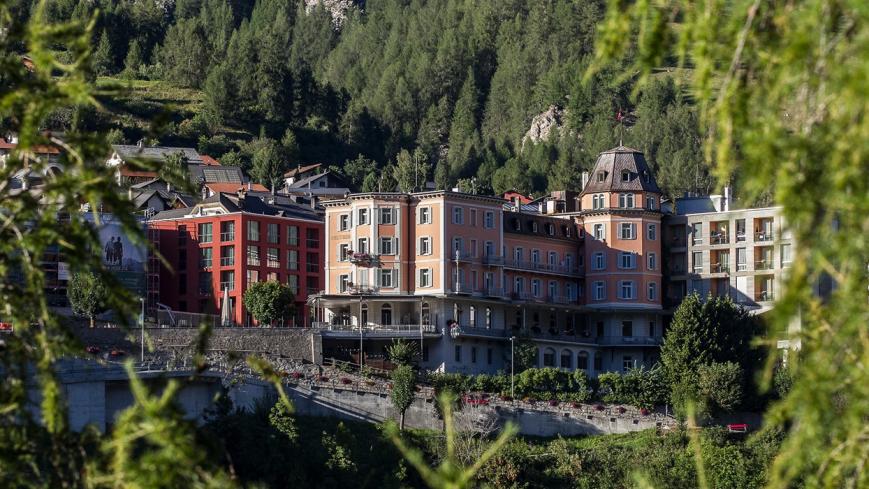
[[394, 274]]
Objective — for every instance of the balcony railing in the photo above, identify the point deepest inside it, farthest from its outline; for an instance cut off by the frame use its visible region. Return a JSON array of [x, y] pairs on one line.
[[365, 260], [719, 238], [361, 289], [374, 328], [629, 340], [740, 236], [493, 260], [765, 296], [763, 236], [741, 267], [763, 265], [227, 285], [458, 330], [720, 268], [541, 267], [559, 299]]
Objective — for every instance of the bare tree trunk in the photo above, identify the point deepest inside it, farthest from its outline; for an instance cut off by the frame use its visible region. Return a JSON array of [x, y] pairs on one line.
[[401, 421]]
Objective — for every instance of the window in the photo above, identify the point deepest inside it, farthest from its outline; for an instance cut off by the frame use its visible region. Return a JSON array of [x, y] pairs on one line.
[[553, 288], [598, 361], [535, 256], [626, 290], [489, 320], [293, 235], [626, 176], [386, 247], [273, 234], [343, 283], [785, 255], [627, 328], [598, 201], [553, 258], [489, 356], [651, 328], [653, 291], [599, 232], [535, 287], [458, 354], [549, 357], [343, 254], [652, 232], [227, 256], [292, 260], [582, 361], [473, 218], [627, 230], [566, 359], [182, 235], [386, 216], [599, 291], [740, 260], [205, 233], [227, 231], [489, 220], [272, 258], [473, 248], [571, 292], [425, 277], [205, 285], [253, 255], [253, 231], [518, 254], [697, 233], [627, 364], [386, 278], [651, 203], [697, 261], [362, 245], [425, 246], [252, 277], [293, 283], [424, 215], [472, 316], [344, 222], [205, 258], [227, 280], [426, 313], [458, 215], [473, 354], [626, 200], [599, 260], [651, 261], [550, 229], [182, 284], [534, 226], [519, 285], [601, 176], [362, 216], [627, 260]]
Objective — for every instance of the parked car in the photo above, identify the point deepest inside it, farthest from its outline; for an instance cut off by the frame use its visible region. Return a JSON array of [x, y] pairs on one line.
[[6, 327]]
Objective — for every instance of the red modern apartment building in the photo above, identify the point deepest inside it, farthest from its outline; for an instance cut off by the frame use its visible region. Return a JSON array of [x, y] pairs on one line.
[[229, 241]]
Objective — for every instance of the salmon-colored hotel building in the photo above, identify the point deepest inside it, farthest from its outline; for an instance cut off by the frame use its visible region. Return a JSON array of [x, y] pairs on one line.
[[463, 274]]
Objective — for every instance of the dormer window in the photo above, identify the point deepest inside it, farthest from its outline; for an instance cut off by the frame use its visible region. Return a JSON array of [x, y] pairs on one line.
[[626, 176], [601, 176], [647, 177]]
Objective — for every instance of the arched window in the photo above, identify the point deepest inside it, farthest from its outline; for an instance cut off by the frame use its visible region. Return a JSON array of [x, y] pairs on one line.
[[472, 312], [549, 357], [598, 361], [386, 315], [488, 318], [363, 315], [457, 313], [582, 360], [426, 313], [519, 318], [566, 359]]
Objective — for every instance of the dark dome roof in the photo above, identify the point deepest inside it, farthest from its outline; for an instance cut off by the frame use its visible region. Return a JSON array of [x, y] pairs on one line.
[[611, 164]]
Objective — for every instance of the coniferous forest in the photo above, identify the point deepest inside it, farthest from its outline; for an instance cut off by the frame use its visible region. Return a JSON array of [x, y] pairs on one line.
[[353, 84]]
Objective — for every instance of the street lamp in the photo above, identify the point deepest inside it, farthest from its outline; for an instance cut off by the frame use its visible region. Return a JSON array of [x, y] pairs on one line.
[[142, 323], [512, 340]]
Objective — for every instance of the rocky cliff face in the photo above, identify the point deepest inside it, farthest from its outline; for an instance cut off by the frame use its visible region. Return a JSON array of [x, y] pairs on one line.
[[338, 9], [545, 125]]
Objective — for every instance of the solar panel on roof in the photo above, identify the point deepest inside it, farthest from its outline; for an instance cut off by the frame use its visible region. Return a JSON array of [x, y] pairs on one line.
[[221, 175]]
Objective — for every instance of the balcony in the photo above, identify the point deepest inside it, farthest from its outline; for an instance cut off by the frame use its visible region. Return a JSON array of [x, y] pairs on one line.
[[719, 268], [763, 265], [471, 331], [459, 255], [719, 238], [227, 261], [227, 286], [365, 260], [560, 299], [763, 236], [228, 236], [629, 340], [765, 296], [541, 267], [374, 330], [521, 296], [361, 290], [493, 260], [740, 236]]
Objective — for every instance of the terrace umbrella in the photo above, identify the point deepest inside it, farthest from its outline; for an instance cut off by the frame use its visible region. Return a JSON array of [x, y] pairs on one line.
[[225, 309]]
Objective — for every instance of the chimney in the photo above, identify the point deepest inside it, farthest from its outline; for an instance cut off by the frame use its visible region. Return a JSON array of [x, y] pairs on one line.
[[249, 185], [550, 206], [584, 180], [541, 207], [313, 201], [241, 193], [728, 197]]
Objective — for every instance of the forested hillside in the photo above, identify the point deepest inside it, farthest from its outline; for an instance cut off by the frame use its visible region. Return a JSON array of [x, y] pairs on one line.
[[460, 80]]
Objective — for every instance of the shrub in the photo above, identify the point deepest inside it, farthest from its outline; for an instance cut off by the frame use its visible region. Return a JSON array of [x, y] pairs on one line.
[[720, 385]]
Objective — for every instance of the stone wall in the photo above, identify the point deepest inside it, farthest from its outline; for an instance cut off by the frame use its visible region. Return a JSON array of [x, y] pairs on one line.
[[296, 343]]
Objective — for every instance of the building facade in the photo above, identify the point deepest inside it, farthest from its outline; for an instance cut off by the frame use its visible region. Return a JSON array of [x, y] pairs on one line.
[[464, 274], [228, 242]]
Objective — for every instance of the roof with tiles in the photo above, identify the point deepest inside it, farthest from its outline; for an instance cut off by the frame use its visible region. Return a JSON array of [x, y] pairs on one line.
[[155, 153], [262, 203], [621, 169]]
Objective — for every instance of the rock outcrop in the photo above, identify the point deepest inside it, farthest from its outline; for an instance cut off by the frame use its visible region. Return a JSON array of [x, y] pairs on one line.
[[337, 8], [545, 125]]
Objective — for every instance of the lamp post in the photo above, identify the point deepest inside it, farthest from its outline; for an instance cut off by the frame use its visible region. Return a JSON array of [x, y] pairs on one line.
[[512, 340], [142, 323], [361, 361]]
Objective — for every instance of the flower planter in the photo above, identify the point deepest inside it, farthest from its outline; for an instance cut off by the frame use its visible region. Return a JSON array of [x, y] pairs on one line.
[[346, 381], [553, 403], [296, 375], [575, 405], [370, 382], [622, 410], [323, 378], [644, 412], [506, 398], [599, 407]]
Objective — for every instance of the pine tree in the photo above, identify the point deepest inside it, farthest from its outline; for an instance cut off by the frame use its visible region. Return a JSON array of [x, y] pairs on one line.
[[102, 60], [134, 59], [464, 137]]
